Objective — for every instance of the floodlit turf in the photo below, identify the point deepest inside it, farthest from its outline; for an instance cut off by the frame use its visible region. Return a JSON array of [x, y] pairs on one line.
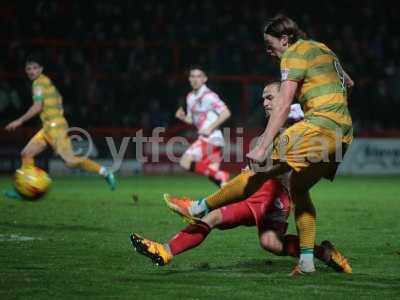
[[81, 245]]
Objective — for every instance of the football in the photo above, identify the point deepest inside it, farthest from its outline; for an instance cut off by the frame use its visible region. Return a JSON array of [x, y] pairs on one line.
[[32, 183]]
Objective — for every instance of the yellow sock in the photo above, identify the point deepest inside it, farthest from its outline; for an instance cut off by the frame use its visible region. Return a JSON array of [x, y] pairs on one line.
[[89, 165], [305, 222], [237, 189], [27, 162]]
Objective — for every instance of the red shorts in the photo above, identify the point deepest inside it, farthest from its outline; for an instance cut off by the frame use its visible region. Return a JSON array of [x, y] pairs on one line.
[[268, 209]]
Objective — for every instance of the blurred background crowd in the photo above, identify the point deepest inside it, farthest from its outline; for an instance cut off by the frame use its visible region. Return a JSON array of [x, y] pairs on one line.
[[123, 63]]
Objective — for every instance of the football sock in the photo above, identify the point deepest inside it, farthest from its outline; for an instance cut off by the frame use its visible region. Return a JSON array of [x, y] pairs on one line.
[[103, 171], [291, 247], [190, 237], [215, 175], [306, 261], [319, 252], [305, 223], [27, 162], [89, 165], [199, 208]]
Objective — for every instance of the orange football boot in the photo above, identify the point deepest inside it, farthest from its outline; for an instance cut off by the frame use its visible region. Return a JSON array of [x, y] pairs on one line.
[[335, 259], [181, 206], [155, 251]]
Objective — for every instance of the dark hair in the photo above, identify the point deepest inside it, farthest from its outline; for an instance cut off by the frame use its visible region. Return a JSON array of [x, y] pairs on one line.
[[282, 25], [197, 67], [34, 58]]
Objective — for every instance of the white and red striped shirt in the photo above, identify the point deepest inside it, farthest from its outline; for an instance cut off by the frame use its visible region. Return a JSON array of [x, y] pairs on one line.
[[204, 107]]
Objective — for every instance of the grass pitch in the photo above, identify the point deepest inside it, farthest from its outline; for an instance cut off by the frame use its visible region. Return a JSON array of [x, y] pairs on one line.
[[81, 250]]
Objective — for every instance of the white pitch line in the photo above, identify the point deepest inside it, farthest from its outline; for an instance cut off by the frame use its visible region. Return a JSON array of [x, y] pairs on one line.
[[16, 238]]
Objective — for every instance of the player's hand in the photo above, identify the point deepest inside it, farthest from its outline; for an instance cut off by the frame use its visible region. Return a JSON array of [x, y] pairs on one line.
[[349, 82], [13, 125], [257, 155], [180, 114], [205, 131], [246, 168]]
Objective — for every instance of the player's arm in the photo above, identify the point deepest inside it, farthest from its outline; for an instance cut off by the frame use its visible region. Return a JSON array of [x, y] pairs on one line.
[[347, 80], [181, 115], [223, 115], [36, 108], [278, 117]]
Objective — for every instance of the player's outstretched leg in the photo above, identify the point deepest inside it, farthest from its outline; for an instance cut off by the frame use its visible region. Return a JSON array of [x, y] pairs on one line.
[[188, 238], [190, 209], [90, 166], [232, 191], [93, 167], [237, 189]]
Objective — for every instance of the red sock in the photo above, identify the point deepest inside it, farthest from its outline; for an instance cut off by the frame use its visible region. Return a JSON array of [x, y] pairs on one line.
[[190, 237], [204, 168], [291, 247], [319, 252]]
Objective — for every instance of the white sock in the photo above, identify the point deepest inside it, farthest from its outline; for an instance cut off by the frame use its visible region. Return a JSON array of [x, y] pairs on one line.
[[306, 262], [103, 171], [198, 208], [168, 248]]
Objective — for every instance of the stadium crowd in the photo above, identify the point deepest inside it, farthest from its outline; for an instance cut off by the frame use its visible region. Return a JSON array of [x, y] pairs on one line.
[[107, 57]]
